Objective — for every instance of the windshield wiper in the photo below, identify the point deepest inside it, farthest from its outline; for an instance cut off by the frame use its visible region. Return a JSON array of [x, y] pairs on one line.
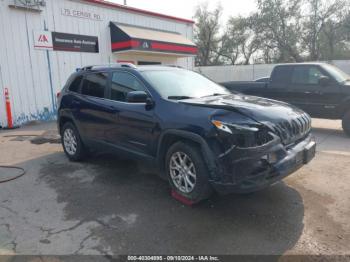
[[179, 97]]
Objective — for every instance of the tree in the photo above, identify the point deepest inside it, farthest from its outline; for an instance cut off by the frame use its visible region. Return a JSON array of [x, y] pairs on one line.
[[325, 17], [243, 37], [329, 40], [281, 23], [279, 31], [228, 51], [207, 36]]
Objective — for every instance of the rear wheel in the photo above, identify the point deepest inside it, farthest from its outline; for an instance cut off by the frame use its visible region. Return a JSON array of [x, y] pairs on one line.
[[71, 142], [187, 172], [346, 123]]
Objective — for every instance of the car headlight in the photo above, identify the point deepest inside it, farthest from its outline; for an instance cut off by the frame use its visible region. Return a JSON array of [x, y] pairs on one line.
[[244, 135], [228, 128], [222, 126]]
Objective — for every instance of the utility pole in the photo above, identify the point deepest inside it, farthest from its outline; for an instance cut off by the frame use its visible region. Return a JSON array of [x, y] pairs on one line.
[[125, 2]]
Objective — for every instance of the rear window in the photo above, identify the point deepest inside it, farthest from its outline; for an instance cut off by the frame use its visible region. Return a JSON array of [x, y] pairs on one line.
[[95, 85], [75, 85], [281, 74]]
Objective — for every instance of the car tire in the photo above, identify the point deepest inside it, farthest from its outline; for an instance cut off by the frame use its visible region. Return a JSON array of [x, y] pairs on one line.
[[72, 144], [179, 160], [346, 123]]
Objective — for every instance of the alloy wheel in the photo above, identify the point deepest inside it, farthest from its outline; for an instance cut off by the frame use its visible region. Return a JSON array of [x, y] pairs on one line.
[[70, 141], [183, 172]]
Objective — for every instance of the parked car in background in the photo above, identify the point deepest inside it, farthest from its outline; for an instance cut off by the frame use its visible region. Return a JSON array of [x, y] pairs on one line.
[[201, 136], [320, 89]]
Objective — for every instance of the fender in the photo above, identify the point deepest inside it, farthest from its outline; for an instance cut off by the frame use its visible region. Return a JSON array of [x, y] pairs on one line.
[[66, 114], [207, 152], [69, 115]]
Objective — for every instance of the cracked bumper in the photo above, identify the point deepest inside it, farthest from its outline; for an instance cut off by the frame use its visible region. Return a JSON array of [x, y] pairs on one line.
[[253, 169]]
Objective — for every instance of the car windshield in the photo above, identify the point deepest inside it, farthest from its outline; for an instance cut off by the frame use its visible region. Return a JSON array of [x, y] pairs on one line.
[[183, 84], [338, 74]]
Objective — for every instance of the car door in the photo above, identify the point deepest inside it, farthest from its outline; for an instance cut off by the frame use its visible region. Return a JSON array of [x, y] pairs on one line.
[[278, 86], [308, 94], [93, 113], [304, 87], [329, 95], [134, 129]]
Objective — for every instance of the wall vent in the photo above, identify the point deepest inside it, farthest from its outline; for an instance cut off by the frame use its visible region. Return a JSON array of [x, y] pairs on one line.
[[29, 5]]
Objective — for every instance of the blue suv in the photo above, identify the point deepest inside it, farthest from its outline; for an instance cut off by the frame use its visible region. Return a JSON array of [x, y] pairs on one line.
[[202, 137]]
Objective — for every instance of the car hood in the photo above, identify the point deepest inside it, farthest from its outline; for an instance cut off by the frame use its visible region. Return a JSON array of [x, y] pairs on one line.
[[289, 122], [257, 108]]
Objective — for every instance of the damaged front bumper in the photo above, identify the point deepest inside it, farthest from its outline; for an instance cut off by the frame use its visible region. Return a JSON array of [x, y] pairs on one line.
[[244, 170]]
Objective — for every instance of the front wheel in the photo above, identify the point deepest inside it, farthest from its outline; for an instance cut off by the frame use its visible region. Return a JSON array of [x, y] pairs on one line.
[[346, 123], [71, 142], [187, 172]]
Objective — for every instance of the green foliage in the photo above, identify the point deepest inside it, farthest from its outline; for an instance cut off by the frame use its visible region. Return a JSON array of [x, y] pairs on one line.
[[279, 31], [207, 35]]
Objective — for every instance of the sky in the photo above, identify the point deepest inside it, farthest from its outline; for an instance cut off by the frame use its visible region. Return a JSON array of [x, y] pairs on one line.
[[185, 8]]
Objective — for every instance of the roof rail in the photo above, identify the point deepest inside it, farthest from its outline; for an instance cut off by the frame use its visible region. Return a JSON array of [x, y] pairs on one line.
[[112, 65], [130, 65]]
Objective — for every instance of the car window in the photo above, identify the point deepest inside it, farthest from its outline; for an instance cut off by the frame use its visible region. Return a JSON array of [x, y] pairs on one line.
[[95, 85], [338, 74], [122, 84], [306, 75], [181, 84], [75, 85], [281, 75]]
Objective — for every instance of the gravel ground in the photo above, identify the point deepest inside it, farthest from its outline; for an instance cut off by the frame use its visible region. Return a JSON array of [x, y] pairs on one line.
[[113, 206]]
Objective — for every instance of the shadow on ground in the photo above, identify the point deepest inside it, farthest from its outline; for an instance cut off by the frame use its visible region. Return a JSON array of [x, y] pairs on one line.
[[137, 215], [332, 140], [329, 131]]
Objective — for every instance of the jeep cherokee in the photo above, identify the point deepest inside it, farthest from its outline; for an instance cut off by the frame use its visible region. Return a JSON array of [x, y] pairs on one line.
[[201, 136]]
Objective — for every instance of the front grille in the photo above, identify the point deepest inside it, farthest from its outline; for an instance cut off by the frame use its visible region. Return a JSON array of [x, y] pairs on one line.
[[294, 130]]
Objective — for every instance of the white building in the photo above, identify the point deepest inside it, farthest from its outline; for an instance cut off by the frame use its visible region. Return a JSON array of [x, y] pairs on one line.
[[44, 41]]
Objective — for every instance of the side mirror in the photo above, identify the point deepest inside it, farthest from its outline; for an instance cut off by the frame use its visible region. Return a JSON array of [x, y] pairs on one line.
[[138, 97], [324, 81]]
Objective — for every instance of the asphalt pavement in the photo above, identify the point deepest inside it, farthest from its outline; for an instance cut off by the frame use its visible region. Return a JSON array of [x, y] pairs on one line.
[[110, 206]]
